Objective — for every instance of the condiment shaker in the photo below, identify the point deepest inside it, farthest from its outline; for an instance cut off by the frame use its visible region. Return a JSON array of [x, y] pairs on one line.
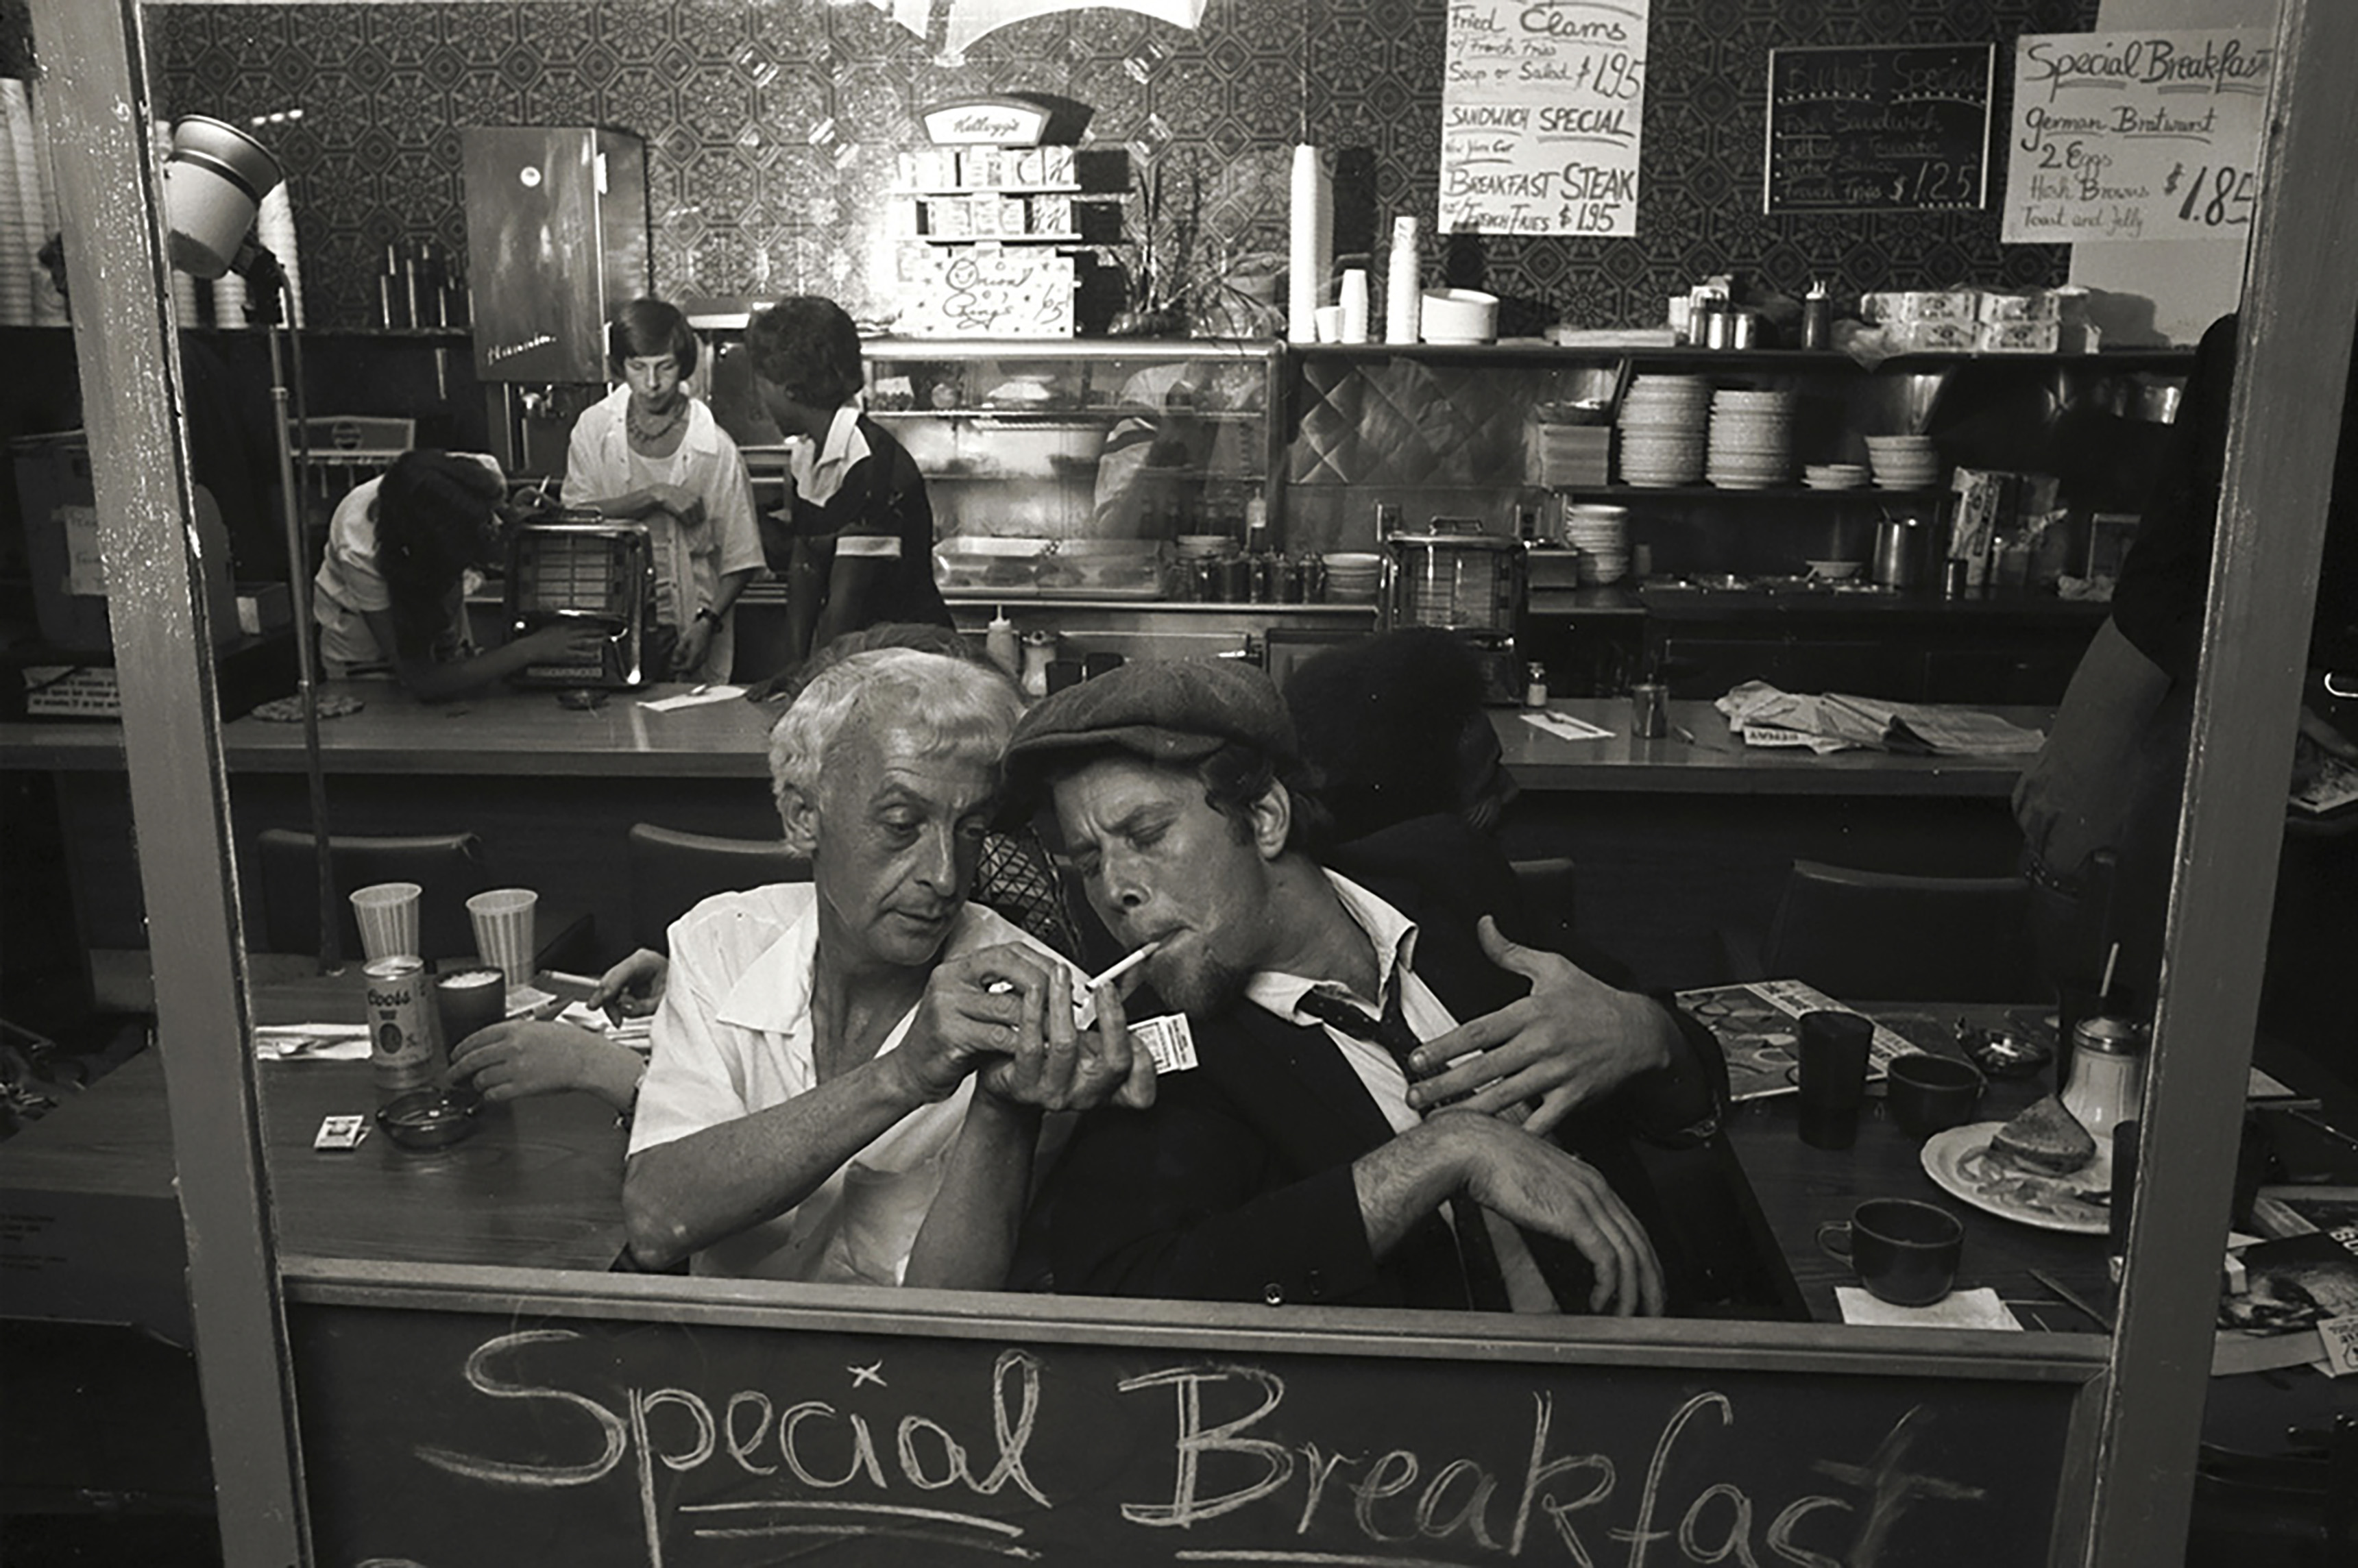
[[1817, 317], [2107, 1075]]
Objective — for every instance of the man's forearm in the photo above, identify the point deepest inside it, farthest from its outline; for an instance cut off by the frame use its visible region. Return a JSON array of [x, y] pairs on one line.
[[683, 1196], [1407, 1178], [967, 1239]]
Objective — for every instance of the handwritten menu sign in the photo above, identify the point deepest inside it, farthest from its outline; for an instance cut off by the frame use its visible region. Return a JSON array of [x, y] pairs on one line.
[[493, 1434], [1878, 128], [984, 291], [2135, 136], [1540, 113]]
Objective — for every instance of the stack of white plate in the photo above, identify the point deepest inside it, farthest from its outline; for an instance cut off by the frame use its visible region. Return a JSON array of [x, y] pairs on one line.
[[1662, 430], [1751, 439], [1903, 462], [1834, 476], [1351, 577], [1601, 535]]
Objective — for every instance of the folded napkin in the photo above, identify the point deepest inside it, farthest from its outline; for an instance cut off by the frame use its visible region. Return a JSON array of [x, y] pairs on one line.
[[313, 1042], [1959, 1309], [696, 698], [1564, 726]]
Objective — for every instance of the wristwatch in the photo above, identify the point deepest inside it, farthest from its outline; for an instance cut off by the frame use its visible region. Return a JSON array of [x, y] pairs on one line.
[[707, 612]]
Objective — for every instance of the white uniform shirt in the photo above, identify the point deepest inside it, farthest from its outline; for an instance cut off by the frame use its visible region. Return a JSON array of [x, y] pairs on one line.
[[734, 1037], [689, 562], [349, 583]]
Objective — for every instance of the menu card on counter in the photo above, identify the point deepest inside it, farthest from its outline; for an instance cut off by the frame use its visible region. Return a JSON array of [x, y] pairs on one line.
[[1540, 107], [983, 291], [2135, 136]]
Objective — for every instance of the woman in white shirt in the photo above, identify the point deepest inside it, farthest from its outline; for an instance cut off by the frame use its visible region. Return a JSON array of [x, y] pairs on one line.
[[389, 596], [650, 452]]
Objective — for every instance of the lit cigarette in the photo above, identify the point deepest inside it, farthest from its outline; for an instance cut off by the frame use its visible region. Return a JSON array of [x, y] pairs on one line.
[[1123, 968]]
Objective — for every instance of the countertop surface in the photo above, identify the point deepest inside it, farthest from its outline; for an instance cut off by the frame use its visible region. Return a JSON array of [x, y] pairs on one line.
[[527, 733]]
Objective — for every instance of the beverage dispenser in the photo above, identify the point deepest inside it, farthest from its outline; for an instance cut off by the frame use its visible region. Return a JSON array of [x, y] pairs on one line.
[[557, 240]]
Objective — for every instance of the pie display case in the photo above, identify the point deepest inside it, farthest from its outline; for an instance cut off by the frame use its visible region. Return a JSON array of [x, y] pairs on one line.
[[1067, 470]]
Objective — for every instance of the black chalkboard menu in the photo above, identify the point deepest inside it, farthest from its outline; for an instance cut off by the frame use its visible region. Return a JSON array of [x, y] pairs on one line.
[[643, 1434], [1878, 128]]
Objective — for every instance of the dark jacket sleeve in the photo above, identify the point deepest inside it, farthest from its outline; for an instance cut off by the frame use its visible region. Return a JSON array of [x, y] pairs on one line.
[[1182, 1201]]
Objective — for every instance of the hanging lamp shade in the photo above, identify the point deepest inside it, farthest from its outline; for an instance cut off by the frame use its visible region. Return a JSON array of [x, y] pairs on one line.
[[213, 184]]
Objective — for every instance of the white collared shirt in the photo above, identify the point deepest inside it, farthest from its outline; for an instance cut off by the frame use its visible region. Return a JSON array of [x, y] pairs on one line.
[[819, 467], [734, 1036], [689, 561]]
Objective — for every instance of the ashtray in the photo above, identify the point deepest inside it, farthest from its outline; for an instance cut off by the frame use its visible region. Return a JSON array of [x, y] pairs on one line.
[[428, 1119], [2002, 1054]]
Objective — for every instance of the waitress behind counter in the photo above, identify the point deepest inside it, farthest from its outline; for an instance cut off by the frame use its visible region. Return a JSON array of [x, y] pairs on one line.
[[389, 594], [855, 544], [650, 452]]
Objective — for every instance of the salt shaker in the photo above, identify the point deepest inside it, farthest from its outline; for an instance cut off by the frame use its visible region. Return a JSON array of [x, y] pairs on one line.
[[2107, 1084]]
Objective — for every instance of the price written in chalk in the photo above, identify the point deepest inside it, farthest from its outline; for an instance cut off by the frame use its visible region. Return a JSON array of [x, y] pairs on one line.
[[2215, 196]]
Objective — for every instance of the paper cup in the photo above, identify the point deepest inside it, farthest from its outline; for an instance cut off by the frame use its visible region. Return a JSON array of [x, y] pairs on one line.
[[387, 916], [502, 920]]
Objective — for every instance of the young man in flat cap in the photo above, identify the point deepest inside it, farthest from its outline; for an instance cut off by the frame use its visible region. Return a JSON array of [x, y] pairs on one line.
[[1295, 1162]]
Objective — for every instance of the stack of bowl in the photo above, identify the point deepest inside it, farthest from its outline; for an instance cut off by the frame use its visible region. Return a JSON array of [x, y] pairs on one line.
[[1834, 476], [1662, 430], [1352, 575], [1751, 439], [1601, 535], [1903, 462]]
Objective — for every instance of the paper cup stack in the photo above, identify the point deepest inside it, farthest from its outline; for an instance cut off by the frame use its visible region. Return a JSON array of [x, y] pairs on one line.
[[1601, 535], [1662, 422], [1352, 575], [1751, 439], [1903, 462]]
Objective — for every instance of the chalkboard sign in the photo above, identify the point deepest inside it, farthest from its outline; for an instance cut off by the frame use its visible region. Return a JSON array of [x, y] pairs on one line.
[[1879, 128], [627, 1430]]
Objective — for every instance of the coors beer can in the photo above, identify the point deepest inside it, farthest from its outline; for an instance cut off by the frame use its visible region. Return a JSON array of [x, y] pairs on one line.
[[405, 1049]]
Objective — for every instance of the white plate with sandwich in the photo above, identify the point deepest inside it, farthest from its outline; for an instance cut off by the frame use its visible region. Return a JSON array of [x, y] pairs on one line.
[[2032, 1169]]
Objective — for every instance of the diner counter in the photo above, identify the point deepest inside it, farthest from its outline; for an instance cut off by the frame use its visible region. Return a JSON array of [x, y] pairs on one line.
[[530, 733]]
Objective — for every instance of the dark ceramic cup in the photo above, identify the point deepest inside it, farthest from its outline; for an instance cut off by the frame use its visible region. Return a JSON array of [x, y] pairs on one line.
[[1903, 1251], [1928, 1094]]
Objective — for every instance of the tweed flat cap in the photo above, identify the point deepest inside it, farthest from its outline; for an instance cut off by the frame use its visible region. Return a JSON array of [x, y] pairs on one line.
[[1165, 710]]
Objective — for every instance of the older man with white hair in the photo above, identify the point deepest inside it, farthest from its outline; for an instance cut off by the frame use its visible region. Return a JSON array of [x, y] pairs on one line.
[[849, 1073]]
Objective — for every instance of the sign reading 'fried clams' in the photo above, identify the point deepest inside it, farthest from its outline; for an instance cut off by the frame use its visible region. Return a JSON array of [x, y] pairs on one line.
[[435, 1437], [1540, 107]]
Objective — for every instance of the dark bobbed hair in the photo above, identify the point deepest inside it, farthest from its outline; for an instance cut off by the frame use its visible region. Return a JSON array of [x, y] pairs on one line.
[[1379, 721], [645, 328], [434, 520], [808, 347]]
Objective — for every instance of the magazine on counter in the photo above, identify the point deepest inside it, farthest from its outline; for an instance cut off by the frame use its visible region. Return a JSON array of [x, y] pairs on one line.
[[1758, 1023], [2304, 1274]]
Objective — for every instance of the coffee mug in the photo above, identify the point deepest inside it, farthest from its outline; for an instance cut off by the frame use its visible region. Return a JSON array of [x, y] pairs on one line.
[[1928, 1094], [1903, 1251]]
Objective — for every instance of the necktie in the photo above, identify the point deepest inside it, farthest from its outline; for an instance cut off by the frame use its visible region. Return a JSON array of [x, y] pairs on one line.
[[1486, 1286]]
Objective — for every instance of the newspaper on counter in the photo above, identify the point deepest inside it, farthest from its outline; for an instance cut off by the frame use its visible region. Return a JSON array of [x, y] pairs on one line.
[[1837, 721], [1758, 1023]]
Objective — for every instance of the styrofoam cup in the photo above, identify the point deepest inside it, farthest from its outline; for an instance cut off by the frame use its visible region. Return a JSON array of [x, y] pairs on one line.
[[387, 916], [504, 931]]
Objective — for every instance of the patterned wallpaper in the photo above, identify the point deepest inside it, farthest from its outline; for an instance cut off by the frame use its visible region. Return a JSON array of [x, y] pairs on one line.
[[772, 127]]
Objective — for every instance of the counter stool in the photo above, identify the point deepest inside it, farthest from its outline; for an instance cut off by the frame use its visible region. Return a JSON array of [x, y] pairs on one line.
[[672, 873], [1891, 937]]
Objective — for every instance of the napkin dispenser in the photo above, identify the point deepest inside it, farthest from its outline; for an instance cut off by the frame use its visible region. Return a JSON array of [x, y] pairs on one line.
[[583, 567]]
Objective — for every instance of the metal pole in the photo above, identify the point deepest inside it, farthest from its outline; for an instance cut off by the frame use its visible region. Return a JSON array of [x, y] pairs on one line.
[[280, 309]]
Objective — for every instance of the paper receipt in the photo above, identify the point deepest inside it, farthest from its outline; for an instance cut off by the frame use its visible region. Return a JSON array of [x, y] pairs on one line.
[[1167, 1040]]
